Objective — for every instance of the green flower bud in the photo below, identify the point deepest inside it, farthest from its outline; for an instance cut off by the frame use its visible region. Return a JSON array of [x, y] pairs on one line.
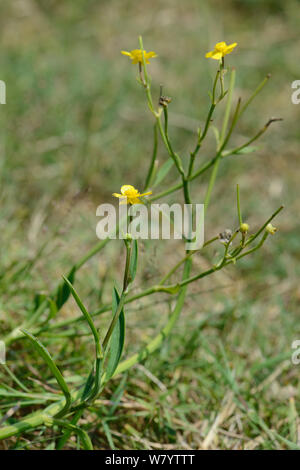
[[244, 228]]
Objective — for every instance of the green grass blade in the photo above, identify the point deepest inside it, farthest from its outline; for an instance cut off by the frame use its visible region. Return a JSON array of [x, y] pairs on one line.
[[63, 290], [116, 343], [43, 352], [88, 318]]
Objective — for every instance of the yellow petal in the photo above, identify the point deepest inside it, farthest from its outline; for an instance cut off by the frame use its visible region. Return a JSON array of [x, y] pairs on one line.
[[230, 47], [150, 54], [127, 187], [126, 53], [220, 45], [135, 200], [217, 55]]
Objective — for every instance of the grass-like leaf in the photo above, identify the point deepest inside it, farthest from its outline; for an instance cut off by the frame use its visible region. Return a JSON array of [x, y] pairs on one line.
[[63, 291], [162, 172], [116, 343], [43, 352], [87, 317]]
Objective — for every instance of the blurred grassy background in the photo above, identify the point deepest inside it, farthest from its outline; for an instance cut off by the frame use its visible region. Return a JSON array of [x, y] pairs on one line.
[[76, 127]]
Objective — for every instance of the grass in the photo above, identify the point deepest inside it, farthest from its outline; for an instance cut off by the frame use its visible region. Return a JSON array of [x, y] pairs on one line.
[[74, 126]]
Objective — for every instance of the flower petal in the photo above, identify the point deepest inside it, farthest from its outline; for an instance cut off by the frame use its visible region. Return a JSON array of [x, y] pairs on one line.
[[127, 187], [135, 200], [220, 45], [217, 55], [150, 54], [231, 47]]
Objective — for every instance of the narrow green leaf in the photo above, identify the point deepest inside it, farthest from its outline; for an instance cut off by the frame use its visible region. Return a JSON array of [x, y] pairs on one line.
[[82, 434], [87, 317], [63, 291], [88, 385], [116, 343], [249, 149], [240, 151], [216, 134], [163, 171], [43, 352], [133, 260], [97, 379], [53, 309], [108, 435], [38, 300]]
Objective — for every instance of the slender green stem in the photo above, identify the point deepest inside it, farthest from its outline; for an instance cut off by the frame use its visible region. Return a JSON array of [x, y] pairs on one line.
[[201, 136], [222, 142], [238, 204], [128, 244], [227, 246], [177, 266], [217, 161], [253, 237], [178, 186], [211, 183], [250, 141], [222, 71], [62, 441], [228, 106], [14, 378], [151, 170], [208, 121], [169, 148], [146, 81], [254, 94], [83, 435], [186, 191], [219, 266]]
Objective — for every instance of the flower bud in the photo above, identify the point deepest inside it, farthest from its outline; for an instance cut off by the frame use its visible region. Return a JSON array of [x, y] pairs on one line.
[[164, 101], [271, 229], [244, 228]]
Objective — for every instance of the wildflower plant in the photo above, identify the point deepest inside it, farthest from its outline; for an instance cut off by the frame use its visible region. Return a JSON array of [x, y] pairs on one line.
[[64, 413]]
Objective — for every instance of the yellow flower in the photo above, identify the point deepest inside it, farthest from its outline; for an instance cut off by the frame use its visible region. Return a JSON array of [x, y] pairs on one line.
[[136, 56], [221, 49], [130, 195], [271, 229]]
